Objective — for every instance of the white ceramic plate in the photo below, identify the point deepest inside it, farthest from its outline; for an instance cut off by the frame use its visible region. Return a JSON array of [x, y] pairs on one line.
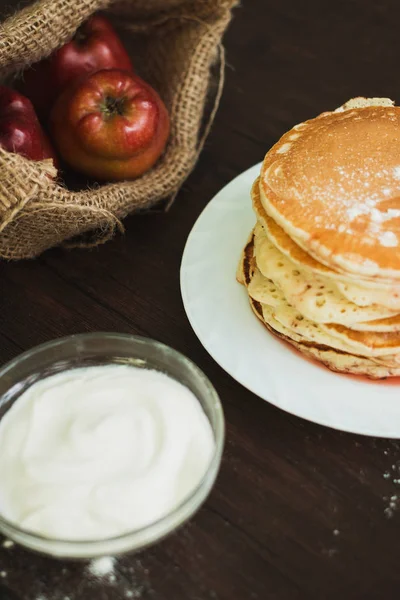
[[219, 312]]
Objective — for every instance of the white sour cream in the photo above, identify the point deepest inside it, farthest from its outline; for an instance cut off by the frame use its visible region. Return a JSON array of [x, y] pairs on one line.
[[97, 452]]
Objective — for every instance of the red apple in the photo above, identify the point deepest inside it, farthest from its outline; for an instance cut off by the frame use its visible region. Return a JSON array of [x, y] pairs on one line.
[[20, 130], [95, 46], [111, 126]]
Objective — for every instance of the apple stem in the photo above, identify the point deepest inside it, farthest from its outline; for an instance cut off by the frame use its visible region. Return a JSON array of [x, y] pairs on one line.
[[113, 106], [80, 36]]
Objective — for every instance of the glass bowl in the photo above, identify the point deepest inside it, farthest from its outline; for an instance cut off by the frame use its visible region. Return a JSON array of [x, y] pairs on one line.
[[106, 348]]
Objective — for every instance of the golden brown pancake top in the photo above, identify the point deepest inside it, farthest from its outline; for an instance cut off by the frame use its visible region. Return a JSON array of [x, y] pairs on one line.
[[333, 184]]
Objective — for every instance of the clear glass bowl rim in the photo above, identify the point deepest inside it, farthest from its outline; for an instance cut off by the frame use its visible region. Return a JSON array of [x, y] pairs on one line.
[[139, 538]]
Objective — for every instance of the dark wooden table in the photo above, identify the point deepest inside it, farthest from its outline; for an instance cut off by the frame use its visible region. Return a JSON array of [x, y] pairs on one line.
[[299, 511]]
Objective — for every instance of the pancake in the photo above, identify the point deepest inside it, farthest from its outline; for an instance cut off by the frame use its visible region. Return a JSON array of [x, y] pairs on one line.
[[370, 343], [265, 291], [272, 301], [246, 266], [380, 325], [370, 292], [283, 242], [340, 338], [333, 184], [315, 297], [333, 359], [337, 360]]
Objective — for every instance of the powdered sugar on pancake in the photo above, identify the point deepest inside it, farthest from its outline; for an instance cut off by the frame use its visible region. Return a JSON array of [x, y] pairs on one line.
[[345, 167]]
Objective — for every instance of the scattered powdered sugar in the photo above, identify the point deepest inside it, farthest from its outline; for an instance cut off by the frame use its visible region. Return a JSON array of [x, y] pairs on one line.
[[125, 578], [374, 228], [355, 211], [101, 567], [376, 216], [392, 476], [334, 545], [379, 216], [133, 594], [353, 192], [359, 179], [330, 552], [392, 505], [388, 239], [104, 569]]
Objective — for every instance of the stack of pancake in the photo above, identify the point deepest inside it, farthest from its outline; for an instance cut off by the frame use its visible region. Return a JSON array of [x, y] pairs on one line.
[[322, 265]]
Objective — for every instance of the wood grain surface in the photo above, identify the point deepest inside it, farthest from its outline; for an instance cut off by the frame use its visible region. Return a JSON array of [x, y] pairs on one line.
[[299, 511]]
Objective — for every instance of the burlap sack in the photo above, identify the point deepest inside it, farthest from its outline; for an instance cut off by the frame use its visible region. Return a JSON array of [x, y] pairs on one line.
[[175, 42]]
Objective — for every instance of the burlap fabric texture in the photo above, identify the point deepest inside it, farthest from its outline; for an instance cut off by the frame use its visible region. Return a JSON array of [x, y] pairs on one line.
[[175, 42]]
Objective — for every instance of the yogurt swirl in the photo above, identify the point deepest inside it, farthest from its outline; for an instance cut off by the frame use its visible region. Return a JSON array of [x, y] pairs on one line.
[[96, 452]]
